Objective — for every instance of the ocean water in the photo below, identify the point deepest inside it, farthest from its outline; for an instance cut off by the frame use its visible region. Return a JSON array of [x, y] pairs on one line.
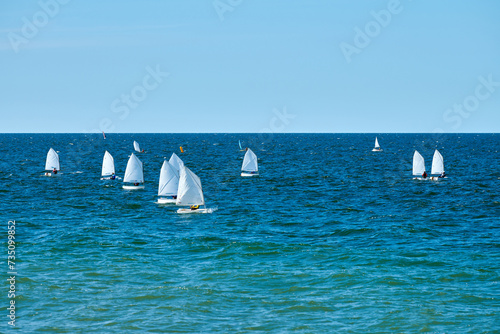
[[330, 238]]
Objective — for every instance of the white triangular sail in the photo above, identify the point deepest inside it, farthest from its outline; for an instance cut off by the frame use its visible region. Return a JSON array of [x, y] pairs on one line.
[[437, 163], [52, 160], [137, 147], [239, 142], [176, 162], [418, 164], [169, 180], [108, 165], [134, 172], [376, 143], [250, 162], [190, 191]]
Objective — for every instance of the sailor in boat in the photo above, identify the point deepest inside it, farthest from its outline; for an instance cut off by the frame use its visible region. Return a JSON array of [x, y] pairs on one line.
[[136, 184], [195, 207], [54, 171], [112, 177], [443, 175], [424, 174]]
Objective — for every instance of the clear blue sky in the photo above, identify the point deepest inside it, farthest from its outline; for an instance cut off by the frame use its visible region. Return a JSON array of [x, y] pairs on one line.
[[234, 64]]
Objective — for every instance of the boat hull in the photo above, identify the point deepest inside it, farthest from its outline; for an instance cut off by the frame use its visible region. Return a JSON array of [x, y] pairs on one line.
[[437, 178], [183, 211], [133, 187], [377, 150], [108, 178], [246, 174], [166, 201]]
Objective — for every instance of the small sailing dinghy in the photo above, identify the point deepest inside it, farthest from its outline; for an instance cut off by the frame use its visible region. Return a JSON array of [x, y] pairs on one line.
[[250, 167], [137, 148], [241, 148], [169, 184], [176, 162], [190, 193], [52, 165], [418, 166], [133, 174], [377, 146], [108, 167], [437, 167]]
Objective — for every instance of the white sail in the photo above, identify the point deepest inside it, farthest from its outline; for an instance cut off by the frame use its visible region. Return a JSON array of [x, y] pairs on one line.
[[169, 180], [136, 146], [437, 163], [176, 162], [52, 160], [190, 191], [418, 164], [239, 142], [108, 165], [250, 162], [134, 172], [376, 143]]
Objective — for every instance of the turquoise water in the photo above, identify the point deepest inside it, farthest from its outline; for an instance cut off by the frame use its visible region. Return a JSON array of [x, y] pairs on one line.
[[331, 237]]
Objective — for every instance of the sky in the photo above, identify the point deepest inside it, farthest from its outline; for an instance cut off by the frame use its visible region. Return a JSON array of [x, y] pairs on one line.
[[328, 66]]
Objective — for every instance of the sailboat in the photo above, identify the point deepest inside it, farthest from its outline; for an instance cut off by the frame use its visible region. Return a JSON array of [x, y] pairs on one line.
[[437, 166], [418, 166], [176, 162], [250, 166], [169, 184], [134, 174], [377, 146], [103, 135], [108, 167], [190, 193], [241, 148], [137, 148], [52, 163]]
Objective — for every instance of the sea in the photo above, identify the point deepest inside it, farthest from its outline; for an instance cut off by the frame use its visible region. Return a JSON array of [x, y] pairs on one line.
[[329, 238]]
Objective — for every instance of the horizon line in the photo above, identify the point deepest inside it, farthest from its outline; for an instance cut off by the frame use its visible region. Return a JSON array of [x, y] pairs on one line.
[[253, 133]]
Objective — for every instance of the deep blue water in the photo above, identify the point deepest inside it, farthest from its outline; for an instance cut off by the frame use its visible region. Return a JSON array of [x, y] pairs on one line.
[[331, 237]]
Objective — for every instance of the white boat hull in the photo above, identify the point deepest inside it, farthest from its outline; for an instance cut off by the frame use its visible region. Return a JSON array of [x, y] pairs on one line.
[[437, 178], [377, 150], [133, 187], [249, 174], [209, 210], [166, 201]]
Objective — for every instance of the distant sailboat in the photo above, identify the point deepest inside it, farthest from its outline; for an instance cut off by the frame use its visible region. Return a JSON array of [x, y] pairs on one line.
[[377, 146], [134, 174], [241, 148], [190, 193], [176, 162], [137, 148], [418, 166], [103, 135], [250, 165], [52, 163], [169, 184], [108, 167], [437, 166]]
